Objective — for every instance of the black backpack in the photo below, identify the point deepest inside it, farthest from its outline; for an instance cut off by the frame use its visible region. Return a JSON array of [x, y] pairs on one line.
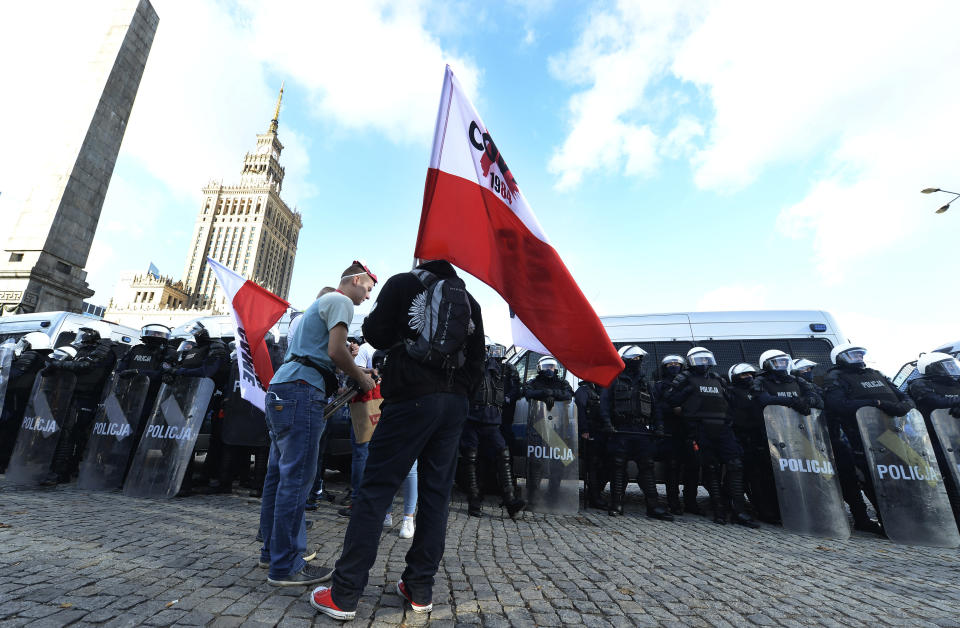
[[441, 317]]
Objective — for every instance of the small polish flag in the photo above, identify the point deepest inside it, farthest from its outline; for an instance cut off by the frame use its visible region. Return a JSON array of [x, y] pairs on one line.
[[255, 310]]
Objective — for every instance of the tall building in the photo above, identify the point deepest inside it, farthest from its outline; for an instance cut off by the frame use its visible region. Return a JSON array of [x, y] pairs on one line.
[[245, 227], [42, 262]]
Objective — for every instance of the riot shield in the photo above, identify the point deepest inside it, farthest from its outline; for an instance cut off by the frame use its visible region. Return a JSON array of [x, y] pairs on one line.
[[808, 489], [6, 361], [244, 424], [113, 435], [553, 469], [947, 429], [167, 443], [48, 412], [910, 492]]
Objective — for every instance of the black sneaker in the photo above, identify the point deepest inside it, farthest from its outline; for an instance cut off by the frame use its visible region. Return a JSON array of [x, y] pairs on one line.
[[345, 512], [311, 504], [308, 575]]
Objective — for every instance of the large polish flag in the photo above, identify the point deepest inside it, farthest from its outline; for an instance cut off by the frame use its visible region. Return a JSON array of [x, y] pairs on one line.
[[475, 217], [255, 310]]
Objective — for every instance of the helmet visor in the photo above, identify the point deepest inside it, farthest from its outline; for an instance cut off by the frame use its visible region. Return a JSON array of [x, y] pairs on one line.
[[852, 356], [950, 368], [702, 359], [778, 363]]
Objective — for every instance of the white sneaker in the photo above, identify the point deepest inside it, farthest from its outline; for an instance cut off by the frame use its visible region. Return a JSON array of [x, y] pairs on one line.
[[388, 521], [407, 528]]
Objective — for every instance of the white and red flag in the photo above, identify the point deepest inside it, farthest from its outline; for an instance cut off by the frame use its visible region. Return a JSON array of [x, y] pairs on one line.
[[255, 310], [475, 217]]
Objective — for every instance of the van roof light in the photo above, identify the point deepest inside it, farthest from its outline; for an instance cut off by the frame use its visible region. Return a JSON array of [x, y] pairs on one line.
[[818, 327]]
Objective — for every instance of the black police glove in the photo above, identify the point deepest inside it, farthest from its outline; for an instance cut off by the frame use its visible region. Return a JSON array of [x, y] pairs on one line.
[[127, 373], [549, 401], [168, 378], [955, 411], [889, 407], [658, 430], [903, 408]]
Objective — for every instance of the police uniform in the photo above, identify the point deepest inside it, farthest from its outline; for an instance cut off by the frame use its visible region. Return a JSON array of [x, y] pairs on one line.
[[846, 389], [92, 366], [23, 373], [705, 408], [627, 407], [592, 443], [938, 393], [500, 383], [672, 452], [549, 388]]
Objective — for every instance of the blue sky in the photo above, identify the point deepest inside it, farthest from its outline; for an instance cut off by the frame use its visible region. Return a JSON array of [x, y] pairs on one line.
[[680, 156]]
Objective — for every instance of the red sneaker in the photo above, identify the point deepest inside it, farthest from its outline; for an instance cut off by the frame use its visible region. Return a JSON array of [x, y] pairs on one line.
[[320, 599], [417, 608]]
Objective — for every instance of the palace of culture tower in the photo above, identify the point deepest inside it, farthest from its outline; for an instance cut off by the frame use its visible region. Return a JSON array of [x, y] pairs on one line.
[[246, 227]]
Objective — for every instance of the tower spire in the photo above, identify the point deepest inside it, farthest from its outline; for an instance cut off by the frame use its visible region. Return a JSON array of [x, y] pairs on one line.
[[276, 113]]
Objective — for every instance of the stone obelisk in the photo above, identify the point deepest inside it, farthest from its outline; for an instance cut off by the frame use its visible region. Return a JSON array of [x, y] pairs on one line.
[[42, 263]]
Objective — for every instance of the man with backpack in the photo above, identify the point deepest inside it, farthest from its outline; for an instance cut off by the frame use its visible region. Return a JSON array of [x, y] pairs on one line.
[[433, 332]]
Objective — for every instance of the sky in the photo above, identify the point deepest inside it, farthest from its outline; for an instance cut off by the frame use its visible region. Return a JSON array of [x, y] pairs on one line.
[[680, 156]]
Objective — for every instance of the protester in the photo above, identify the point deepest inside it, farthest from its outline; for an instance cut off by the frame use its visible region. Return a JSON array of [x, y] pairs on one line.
[[294, 413], [428, 380]]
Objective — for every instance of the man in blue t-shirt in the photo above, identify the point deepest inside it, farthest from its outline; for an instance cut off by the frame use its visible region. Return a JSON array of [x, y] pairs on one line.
[[294, 407]]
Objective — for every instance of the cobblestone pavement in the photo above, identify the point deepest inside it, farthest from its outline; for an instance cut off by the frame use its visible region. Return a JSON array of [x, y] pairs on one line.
[[74, 557]]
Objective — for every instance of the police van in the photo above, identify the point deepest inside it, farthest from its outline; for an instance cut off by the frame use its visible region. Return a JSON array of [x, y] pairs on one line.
[[739, 336], [62, 327]]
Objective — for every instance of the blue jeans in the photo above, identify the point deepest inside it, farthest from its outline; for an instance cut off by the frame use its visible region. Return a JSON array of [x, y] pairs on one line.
[[294, 414], [409, 490], [358, 463], [426, 429]]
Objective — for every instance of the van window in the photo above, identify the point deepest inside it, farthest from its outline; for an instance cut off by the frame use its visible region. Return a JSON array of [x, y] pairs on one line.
[[908, 372]]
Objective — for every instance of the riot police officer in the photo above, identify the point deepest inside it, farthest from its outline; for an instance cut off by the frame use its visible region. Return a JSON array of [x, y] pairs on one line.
[[199, 355], [700, 397], [29, 356], [848, 386], [938, 388], [92, 365], [592, 443], [549, 388], [747, 422], [500, 382], [803, 368], [672, 450], [626, 410]]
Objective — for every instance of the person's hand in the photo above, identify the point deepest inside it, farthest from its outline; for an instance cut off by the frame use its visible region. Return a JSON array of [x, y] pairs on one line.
[[168, 378], [955, 411], [365, 382], [585, 435], [889, 408], [127, 373], [802, 407]]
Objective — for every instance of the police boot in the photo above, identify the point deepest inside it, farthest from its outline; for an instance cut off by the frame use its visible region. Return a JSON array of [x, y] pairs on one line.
[[62, 455], [533, 480], [716, 496], [595, 485], [261, 456], [673, 487], [618, 486], [474, 497], [734, 482], [648, 482], [505, 473]]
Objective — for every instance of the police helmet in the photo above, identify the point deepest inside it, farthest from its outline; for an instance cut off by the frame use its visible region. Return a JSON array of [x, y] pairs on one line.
[[547, 362], [155, 332], [938, 364], [199, 332], [631, 352], [86, 336], [671, 359], [35, 340], [847, 353], [63, 354], [801, 364], [775, 360], [741, 369], [700, 356]]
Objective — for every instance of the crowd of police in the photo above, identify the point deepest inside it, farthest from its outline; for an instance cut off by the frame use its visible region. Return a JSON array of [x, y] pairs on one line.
[[65, 386], [708, 429], [702, 428]]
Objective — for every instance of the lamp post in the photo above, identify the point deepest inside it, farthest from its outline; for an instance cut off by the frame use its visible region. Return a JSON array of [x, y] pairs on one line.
[[956, 195]]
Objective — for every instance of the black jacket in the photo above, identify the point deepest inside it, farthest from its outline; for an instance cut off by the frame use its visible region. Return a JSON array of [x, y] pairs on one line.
[[388, 325]]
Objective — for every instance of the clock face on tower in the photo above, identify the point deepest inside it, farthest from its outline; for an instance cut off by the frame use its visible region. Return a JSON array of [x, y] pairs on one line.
[[263, 149]]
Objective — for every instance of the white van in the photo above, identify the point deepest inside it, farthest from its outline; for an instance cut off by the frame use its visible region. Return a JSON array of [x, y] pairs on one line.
[[732, 336], [62, 327]]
